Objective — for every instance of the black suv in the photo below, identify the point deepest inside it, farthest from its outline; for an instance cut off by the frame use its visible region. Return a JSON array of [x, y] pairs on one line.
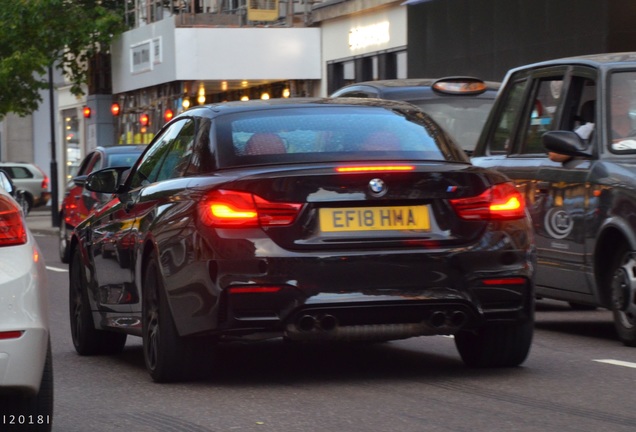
[[583, 209]]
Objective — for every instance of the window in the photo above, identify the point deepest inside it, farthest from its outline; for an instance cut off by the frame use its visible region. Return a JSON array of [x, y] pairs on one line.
[[621, 111], [502, 139], [148, 170], [541, 117], [331, 134]]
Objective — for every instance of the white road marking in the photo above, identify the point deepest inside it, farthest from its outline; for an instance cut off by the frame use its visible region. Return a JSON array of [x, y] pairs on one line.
[[617, 363], [55, 269]]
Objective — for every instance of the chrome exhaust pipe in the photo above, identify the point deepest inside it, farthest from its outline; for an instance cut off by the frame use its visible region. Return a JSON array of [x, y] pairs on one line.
[[458, 319], [306, 323], [437, 319], [328, 322]]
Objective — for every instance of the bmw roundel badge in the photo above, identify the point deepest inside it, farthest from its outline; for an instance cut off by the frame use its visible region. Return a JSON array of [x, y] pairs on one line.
[[377, 186]]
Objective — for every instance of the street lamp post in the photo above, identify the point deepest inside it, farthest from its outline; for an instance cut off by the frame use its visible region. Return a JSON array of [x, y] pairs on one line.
[[54, 195]]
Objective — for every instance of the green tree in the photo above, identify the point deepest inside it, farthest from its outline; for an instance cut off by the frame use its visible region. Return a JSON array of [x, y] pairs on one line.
[[36, 34]]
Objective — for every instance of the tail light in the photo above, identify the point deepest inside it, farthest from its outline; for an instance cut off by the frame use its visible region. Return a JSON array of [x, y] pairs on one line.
[[500, 202], [12, 230], [234, 209], [11, 334], [45, 179]]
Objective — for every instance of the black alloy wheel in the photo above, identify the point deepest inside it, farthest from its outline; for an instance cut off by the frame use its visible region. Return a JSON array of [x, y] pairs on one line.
[[87, 340], [168, 356], [496, 345], [622, 286]]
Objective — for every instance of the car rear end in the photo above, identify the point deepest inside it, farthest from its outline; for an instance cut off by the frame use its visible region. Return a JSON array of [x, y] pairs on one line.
[[329, 239], [24, 331]]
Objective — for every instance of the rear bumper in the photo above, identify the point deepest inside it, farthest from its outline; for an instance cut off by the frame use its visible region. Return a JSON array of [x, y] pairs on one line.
[[24, 305], [382, 297], [22, 361]]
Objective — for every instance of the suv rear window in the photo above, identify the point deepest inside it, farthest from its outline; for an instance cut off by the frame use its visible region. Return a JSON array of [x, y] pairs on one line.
[[331, 134]]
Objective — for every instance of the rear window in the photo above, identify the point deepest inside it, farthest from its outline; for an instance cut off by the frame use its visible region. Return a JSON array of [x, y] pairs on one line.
[[328, 134], [122, 160], [463, 118]]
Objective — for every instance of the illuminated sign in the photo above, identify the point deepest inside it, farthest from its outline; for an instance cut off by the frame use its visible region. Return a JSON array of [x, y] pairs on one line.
[[375, 34]]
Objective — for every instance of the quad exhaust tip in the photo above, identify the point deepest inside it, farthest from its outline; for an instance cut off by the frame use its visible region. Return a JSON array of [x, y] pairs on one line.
[[439, 319], [308, 323]]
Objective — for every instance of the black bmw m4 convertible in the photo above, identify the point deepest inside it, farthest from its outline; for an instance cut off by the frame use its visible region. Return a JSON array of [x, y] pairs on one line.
[[308, 219]]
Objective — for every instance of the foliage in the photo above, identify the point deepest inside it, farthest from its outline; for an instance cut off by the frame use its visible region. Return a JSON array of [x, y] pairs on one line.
[[36, 34]]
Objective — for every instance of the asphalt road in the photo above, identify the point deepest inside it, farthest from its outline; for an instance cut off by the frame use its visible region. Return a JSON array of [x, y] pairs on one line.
[[577, 378]]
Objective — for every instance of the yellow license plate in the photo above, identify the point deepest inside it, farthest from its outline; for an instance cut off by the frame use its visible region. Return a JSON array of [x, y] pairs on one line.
[[374, 218]]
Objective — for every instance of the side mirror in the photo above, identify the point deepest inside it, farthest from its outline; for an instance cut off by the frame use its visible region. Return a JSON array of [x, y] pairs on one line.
[[566, 143], [80, 180], [106, 180]]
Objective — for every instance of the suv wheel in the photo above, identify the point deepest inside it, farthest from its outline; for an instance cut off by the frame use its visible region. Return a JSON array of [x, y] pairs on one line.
[[496, 345], [86, 338], [623, 290]]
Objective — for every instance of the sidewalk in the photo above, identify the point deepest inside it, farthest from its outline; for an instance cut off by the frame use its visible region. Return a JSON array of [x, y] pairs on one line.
[[39, 221]]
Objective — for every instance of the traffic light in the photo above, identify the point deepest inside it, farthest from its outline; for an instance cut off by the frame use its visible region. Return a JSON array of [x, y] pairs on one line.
[[144, 120], [87, 112]]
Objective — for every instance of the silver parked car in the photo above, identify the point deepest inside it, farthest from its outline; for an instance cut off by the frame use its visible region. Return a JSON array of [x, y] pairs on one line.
[[31, 180]]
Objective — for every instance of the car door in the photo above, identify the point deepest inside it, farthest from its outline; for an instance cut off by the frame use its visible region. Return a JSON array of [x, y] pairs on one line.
[[124, 226], [533, 103]]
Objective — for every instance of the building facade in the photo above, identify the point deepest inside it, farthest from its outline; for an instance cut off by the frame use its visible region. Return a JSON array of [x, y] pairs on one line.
[[202, 51]]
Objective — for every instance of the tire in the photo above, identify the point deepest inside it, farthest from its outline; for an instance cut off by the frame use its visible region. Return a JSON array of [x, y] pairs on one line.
[[24, 203], [496, 345], [65, 253], [38, 409], [168, 356], [622, 286], [27, 202], [86, 338]]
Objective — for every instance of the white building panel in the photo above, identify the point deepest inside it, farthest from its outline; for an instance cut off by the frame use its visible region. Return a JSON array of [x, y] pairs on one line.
[[161, 53]]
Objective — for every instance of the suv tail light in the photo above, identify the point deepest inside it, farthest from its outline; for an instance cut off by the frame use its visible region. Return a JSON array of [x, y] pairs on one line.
[[234, 209], [12, 230], [500, 202], [45, 179]]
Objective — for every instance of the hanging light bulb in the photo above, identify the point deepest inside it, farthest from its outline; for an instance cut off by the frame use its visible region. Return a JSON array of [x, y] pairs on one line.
[[286, 93], [201, 96]]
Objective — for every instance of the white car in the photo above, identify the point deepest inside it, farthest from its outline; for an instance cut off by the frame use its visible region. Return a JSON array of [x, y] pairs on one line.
[[26, 370]]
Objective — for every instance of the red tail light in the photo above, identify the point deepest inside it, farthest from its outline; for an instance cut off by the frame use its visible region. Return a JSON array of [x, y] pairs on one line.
[[11, 334], [227, 209], [504, 281], [45, 183], [374, 168], [12, 230], [256, 289], [501, 202]]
